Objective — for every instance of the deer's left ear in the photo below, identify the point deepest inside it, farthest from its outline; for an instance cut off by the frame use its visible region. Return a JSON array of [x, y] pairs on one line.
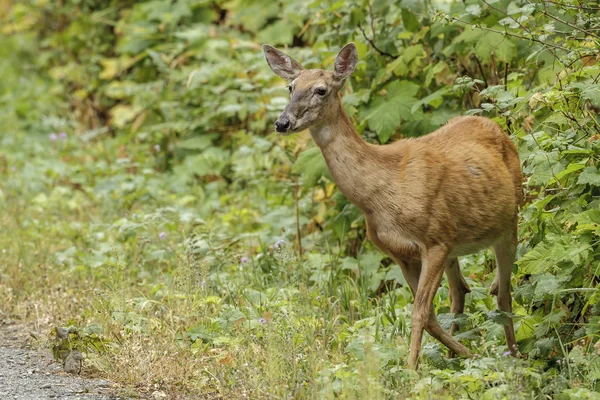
[[282, 64], [345, 62]]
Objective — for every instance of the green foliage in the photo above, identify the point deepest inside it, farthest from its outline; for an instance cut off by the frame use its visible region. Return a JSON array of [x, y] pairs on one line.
[[167, 213]]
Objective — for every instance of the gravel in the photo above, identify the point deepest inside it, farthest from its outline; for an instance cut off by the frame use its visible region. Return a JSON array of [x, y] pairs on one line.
[[28, 374]]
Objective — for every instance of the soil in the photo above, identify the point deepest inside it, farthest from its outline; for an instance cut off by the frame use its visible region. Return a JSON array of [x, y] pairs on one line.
[[29, 374]]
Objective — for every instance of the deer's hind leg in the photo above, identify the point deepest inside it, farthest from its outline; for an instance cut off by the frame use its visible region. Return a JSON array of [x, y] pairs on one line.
[[505, 251], [458, 288]]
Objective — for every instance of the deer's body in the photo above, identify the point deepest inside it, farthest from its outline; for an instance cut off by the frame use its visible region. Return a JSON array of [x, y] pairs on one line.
[[459, 185], [426, 200]]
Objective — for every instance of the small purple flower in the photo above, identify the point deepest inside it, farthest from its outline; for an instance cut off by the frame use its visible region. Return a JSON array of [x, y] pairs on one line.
[[53, 137], [62, 136], [244, 260], [162, 235], [157, 147], [507, 353], [278, 244], [262, 321]]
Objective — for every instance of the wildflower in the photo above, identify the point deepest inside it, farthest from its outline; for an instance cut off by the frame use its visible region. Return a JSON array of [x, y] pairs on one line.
[[278, 244], [162, 235], [507, 353], [262, 320], [53, 137], [157, 147], [244, 260], [62, 136]]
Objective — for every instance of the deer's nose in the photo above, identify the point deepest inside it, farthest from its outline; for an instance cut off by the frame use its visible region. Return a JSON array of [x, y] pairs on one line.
[[282, 124]]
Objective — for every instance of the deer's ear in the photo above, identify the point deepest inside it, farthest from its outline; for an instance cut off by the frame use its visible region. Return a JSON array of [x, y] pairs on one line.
[[282, 64], [345, 62]]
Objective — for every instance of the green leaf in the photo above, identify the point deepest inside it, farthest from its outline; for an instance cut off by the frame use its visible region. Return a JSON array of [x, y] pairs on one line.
[[384, 115], [210, 162], [409, 20], [280, 32], [571, 168], [488, 43], [525, 328], [497, 44], [311, 165], [589, 176], [435, 99], [589, 91], [498, 317], [546, 255], [200, 142], [474, 9], [343, 221], [194, 34], [548, 284]]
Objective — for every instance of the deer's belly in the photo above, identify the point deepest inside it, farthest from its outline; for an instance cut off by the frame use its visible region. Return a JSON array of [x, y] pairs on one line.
[[470, 248]]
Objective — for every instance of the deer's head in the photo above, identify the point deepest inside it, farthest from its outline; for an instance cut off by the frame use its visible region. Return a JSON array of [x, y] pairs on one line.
[[312, 91]]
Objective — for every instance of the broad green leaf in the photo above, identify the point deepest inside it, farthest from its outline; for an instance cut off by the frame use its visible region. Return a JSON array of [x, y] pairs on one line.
[[487, 43], [200, 142], [545, 256], [474, 9], [384, 115], [311, 165], [589, 91], [525, 328], [497, 44], [194, 34], [209, 162], [343, 221], [571, 168], [589, 176], [280, 32], [435, 99], [409, 20], [548, 284]]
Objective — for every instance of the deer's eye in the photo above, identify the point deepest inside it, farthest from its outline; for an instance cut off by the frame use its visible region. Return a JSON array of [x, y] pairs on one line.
[[321, 91], [289, 88]]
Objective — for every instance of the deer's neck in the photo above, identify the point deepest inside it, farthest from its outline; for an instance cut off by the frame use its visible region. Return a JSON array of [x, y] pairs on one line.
[[355, 165]]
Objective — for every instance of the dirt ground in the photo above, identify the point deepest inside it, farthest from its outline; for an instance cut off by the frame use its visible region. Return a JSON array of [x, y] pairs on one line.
[[32, 374]]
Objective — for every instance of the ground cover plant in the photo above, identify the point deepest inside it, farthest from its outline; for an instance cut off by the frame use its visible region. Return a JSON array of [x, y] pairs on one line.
[[150, 217]]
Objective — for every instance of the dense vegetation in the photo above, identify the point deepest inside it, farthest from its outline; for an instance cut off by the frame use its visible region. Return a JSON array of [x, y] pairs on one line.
[[146, 204]]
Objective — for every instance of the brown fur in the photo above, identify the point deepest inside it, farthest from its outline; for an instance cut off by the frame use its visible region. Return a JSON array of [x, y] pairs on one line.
[[426, 200]]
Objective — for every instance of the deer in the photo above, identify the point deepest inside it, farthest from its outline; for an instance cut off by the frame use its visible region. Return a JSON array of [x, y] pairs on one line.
[[426, 200]]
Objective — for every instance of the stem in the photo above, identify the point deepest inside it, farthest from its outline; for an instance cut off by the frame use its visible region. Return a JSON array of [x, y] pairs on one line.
[[532, 38], [298, 233], [372, 41]]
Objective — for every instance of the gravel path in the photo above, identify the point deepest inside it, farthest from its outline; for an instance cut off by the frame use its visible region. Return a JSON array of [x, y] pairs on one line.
[[31, 375]]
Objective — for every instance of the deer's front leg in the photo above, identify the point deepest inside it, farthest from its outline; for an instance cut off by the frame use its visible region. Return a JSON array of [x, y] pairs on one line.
[[412, 271], [433, 263]]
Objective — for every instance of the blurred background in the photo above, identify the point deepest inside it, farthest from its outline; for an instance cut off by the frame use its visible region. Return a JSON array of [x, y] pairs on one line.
[[147, 205]]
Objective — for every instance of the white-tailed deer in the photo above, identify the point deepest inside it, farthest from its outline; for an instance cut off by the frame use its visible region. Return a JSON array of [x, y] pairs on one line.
[[426, 200]]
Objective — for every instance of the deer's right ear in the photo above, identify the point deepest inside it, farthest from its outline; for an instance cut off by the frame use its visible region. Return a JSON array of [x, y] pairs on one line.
[[282, 64]]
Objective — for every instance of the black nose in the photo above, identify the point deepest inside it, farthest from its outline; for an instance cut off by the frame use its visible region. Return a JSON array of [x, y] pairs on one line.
[[282, 124]]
